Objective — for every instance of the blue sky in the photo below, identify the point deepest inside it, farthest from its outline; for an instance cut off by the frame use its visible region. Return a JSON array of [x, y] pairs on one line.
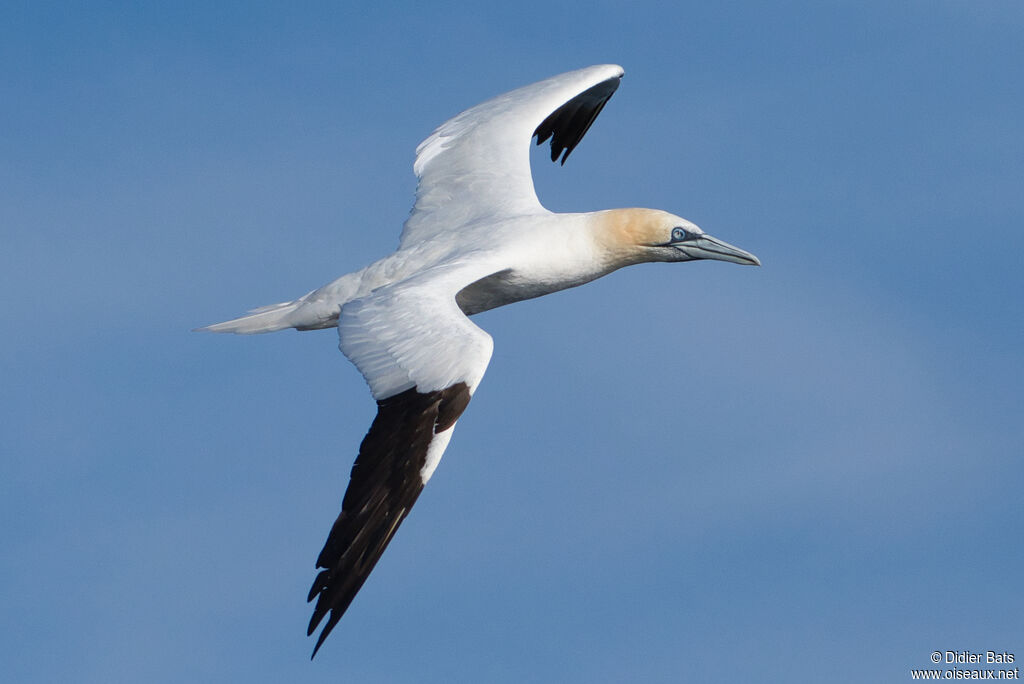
[[807, 471]]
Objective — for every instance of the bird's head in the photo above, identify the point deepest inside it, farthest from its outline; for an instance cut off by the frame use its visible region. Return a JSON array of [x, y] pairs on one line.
[[639, 235]]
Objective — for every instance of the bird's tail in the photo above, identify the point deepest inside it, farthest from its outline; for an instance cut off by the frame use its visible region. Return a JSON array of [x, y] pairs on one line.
[[261, 320], [305, 313]]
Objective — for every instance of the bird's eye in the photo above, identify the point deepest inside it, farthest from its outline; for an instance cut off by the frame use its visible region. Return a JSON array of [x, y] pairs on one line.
[[678, 233]]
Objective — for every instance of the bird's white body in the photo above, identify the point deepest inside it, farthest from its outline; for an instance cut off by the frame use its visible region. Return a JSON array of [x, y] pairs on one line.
[[477, 238], [539, 253]]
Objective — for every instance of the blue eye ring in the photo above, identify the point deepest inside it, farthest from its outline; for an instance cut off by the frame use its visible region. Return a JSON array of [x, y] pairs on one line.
[[678, 234]]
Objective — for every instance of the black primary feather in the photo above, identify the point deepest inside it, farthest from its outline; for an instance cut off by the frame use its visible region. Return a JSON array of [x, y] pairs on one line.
[[567, 125], [385, 483]]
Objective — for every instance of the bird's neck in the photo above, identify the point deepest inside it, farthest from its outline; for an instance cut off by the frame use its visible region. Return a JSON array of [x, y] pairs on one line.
[[621, 235]]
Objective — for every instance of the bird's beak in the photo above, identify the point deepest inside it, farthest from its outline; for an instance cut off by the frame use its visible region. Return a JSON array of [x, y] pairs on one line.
[[704, 246]]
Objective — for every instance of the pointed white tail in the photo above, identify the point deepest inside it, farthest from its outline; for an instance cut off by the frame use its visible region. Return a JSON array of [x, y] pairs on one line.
[[261, 320]]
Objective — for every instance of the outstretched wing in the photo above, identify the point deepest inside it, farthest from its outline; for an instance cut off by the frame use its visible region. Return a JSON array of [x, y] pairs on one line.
[[477, 164], [423, 359]]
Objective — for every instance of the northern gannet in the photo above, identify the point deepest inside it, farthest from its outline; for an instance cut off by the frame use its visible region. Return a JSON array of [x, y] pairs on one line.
[[477, 238]]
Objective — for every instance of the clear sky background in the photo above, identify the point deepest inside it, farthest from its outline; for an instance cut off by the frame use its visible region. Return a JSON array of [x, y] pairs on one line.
[[811, 471]]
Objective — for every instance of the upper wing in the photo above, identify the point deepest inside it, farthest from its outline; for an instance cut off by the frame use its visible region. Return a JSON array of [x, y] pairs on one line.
[[422, 359], [477, 164]]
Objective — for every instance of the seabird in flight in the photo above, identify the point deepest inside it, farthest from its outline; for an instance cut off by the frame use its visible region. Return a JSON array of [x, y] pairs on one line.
[[477, 238]]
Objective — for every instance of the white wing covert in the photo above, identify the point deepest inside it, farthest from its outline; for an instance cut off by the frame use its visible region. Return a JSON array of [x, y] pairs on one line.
[[412, 334], [477, 164]]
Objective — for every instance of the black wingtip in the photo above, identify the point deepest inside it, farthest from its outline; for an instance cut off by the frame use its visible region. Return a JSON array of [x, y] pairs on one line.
[[323, 635], [318, 614], [386, 480], [319, 583], [567, 125]]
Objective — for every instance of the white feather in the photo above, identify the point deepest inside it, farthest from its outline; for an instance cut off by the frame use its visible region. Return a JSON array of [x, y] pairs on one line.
[[413, 334], [477, 164]]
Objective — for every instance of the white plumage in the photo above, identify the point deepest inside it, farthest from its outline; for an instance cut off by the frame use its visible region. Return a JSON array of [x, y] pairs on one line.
[[477, 238], [476, 166], [412, 334]]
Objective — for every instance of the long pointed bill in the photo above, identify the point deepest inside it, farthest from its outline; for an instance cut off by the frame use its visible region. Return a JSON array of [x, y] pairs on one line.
[[706, 247]]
